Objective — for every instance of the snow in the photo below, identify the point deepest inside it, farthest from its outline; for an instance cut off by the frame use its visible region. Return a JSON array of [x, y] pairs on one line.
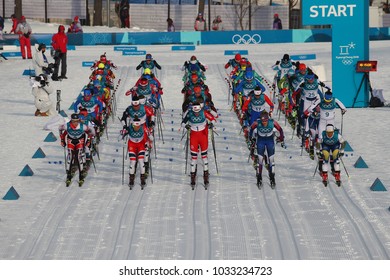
[[233, 220]]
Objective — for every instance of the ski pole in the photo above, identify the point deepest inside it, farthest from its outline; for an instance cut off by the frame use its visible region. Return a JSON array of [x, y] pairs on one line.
[[187, 144], [66, 163], [150, 168], [123, 162], [346, 172], [215, 153], [315, 171], [342, 121]]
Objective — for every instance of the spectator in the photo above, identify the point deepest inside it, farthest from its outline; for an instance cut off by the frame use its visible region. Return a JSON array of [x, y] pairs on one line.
[[1, 27], [200, 23], [14, 24], [171, 26], [277, 22], [24, 30], [122, 10], [217, 24], [59, 42], [386, 8], [75, 26]]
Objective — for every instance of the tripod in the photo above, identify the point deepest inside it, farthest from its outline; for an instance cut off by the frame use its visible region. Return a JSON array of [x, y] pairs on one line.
[[366, 78]]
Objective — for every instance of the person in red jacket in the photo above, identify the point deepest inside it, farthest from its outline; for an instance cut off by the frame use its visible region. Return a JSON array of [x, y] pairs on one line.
[[14, 24], [59, 42]]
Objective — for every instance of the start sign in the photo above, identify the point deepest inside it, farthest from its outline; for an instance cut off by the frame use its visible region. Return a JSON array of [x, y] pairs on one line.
[[332, 10], [350, 43]]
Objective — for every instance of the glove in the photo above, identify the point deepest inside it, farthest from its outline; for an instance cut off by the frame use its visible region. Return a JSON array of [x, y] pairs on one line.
[[277, 62], [27, 35], [321, 84], [88, 144], [343, 111], [211, 125], [341, 153], [188, 126], [123, 132], [306, 113], [282, 144], [270, 113], [152, 124], [62, 142]]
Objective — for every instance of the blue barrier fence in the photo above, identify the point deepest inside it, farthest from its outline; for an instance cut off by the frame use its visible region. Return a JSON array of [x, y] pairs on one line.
[[195, 38]]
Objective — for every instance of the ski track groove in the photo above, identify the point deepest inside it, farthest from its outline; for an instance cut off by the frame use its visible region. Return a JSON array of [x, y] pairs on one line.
[[358, 223], [55, 211], [252, 230], [279, 206]]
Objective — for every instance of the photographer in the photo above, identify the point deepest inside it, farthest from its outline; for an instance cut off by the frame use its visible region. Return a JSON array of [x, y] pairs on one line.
[[41, 91], [24, 30], [40, 62]]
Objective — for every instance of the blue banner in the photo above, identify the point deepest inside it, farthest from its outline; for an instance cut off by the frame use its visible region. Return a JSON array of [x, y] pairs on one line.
[[183, 48], [87, 63], [125, 48], [133, 52], [303, 56], [234, 52]]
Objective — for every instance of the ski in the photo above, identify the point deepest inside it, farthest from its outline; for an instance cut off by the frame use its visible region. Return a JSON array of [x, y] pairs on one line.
[[273, 185], [206, 186], [143, 186], [325, 183], [81, 182], [131, 186], [260, 185]]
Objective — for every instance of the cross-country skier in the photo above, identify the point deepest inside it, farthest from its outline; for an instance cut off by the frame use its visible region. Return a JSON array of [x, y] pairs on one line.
[[136, 143], [331, 145], [198, 121], [328, 105], [255, 104], [234, 62], [73, 135], [263, 140], [149, 62]]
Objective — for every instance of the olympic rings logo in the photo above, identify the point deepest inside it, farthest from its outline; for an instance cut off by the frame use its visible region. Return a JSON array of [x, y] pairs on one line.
[[246, 39], [347, 61]]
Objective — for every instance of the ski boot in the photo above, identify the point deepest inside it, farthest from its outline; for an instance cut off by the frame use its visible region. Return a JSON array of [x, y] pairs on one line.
[[146, 164], [206, 179], [324, 176], [272, 180], [311, 152], [131, 181], [68, 179], [193, 176], [259, 181], [336, 175], [81, 179], [143, 181]]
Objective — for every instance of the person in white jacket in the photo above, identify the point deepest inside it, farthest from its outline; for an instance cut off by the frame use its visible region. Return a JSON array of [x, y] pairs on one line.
[[41, 91], [39, 61]]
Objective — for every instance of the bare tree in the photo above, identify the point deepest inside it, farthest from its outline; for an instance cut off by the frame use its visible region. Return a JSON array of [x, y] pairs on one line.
[[291, 5], [98, 13], [244, 9], [18, 8]]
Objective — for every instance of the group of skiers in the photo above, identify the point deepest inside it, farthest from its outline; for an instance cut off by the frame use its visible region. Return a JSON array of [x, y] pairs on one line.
[[92, 108], [312, 112], [139, 119], [296, 90], [199, 116], [254, 109]]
